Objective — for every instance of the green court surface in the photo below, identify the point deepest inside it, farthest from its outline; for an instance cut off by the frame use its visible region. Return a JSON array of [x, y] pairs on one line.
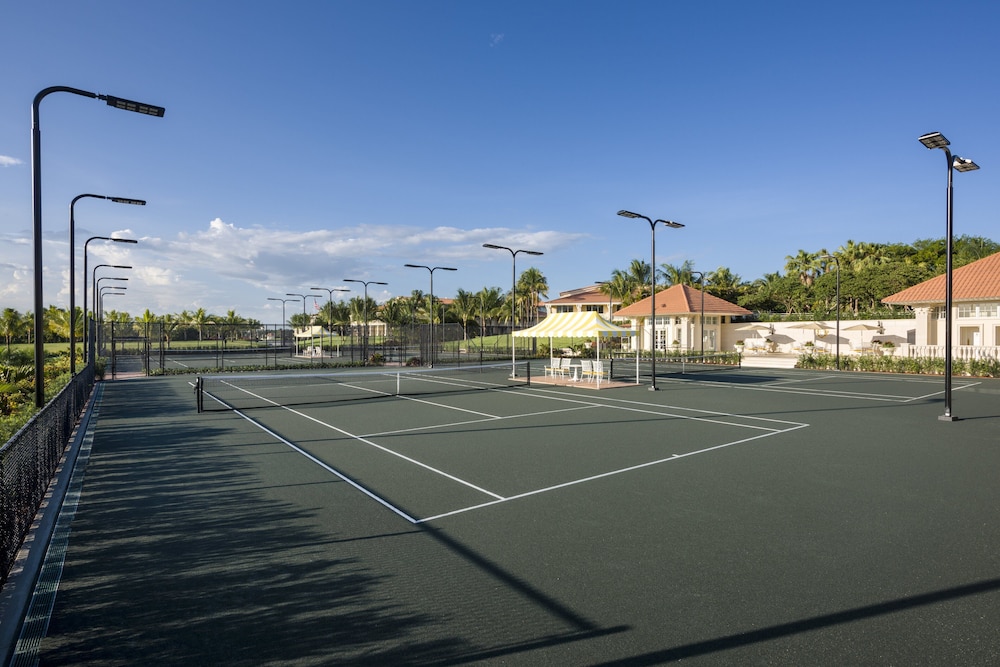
[[736, 517]]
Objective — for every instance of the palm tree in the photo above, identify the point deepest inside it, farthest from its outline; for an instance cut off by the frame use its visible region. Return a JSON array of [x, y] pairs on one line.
[[464, 307], [11, 326], [232, 322], [725, 284], [805, 265], [533, 285], [639, 273], [57, 322], [491, 304], [199, 318], [619, 287], [396, 313], [169, 323], [682, 274]]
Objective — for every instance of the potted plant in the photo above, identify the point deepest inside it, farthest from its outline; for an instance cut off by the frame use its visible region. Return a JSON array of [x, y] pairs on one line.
[[809, 345], [888, 347], [739, 346]]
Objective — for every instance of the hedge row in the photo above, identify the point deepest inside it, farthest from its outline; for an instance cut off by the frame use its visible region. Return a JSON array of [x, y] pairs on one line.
[[909, 365]]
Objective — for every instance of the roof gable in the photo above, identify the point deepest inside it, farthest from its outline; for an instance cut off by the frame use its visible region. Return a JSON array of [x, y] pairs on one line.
[[977, 281], [682, 300]]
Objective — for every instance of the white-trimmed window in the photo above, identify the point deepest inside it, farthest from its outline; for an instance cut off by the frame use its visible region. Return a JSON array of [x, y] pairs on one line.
[[984, 309]]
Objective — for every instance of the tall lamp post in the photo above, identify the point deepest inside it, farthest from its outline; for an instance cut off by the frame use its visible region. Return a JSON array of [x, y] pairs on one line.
[[937, 140], [283, 320], [364, 341], [837, 262], [513, 296], [652, 284], [36, 196], [108, 290], [430, 310], [86, 328], [98, 311], [94, 296], [701, 284], [72, 269], [305, 317], [329, 313]]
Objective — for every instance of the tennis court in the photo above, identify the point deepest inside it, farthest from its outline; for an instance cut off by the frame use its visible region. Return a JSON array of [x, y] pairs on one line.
[[748, 516]]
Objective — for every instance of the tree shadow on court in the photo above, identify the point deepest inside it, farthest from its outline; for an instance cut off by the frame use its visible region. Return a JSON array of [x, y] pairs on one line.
[[775, 632], [198, 542]]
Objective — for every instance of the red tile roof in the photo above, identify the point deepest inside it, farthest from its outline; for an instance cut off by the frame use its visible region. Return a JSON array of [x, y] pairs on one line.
[[973, 282], [589, 294], [680, 300]]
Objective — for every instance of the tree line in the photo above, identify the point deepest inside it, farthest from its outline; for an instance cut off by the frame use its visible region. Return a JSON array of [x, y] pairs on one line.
[[490, 305], [868, 272]]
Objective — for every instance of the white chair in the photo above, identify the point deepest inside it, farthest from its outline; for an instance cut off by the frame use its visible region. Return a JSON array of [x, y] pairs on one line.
[[598, 372], [587, 370], [563, 366]]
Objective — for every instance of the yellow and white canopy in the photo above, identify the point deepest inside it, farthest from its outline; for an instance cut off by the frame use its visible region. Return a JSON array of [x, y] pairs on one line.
[[576, 325]]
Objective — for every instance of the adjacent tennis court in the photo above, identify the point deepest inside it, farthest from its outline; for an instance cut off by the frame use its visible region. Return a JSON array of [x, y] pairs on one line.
[[733, 516]]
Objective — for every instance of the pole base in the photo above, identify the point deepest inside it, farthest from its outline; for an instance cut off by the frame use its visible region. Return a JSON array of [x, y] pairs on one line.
[[654, 388], [947, 418]]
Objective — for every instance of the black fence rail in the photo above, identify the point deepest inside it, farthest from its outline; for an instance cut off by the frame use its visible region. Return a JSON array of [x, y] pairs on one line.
[[28, 463]]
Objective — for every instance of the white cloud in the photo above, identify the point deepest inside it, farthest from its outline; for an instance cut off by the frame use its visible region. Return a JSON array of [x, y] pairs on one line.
[[222, 266], [7, 161]]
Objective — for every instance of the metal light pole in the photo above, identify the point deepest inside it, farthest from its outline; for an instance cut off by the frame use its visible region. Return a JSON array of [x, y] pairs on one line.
[[97, 292], [937, 140], [110, 292], [837, 261], [86, 327], [87, 337], [366, 283], [652, 283], [36, 196], [701, 282], [72, 270], [513, 297], [430, 310], [98, 280], [329, 313], [283, 321], [305, 317]]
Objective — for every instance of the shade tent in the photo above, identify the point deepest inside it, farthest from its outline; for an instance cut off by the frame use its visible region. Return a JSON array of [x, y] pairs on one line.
[[577, 325]]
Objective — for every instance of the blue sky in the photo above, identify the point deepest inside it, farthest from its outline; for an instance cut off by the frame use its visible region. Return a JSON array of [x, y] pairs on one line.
[[308, 142]]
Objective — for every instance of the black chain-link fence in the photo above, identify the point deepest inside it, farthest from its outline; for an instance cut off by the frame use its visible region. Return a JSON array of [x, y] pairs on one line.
[[150, 348], [28, 463]]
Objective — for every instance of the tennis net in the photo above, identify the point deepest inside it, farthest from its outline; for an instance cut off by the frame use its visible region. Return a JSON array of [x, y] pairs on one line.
[[238, 391], [626, 369]]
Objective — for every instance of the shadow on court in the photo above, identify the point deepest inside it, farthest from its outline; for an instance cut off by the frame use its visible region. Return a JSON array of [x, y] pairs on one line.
[[863, 535]]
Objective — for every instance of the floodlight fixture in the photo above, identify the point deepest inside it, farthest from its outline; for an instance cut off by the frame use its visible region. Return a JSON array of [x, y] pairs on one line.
[[955, 163], [934, 140], [652, 283]]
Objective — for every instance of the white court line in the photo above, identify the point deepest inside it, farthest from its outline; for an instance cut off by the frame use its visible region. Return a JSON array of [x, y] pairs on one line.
[[471, 421], [673, 457], [562, 397], [938, 393], [541, 394], [363, 440]]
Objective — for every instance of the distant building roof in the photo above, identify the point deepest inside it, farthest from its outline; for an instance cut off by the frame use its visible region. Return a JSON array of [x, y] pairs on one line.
[[977, 281], [588, 294], [682, 300]]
